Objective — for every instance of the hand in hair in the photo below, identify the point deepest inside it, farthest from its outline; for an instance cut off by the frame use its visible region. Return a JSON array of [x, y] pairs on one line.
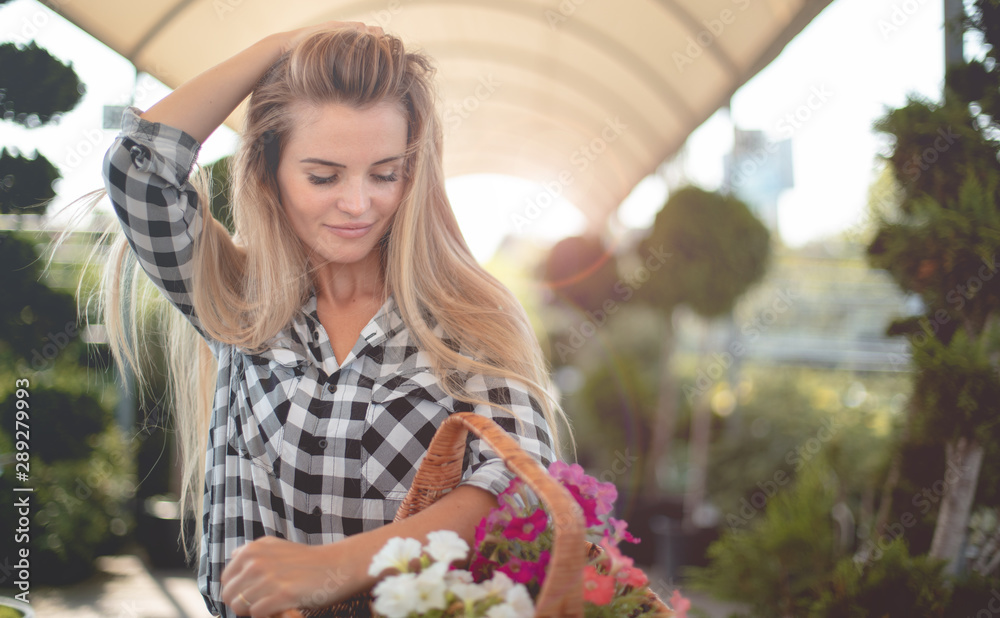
[[292, 38]]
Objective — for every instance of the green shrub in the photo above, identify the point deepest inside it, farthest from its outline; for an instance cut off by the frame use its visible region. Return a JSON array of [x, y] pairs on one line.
[[780, 562], [895, 585]]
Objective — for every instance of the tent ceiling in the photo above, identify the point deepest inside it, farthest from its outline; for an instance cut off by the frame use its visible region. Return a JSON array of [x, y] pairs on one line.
[[585, 96]]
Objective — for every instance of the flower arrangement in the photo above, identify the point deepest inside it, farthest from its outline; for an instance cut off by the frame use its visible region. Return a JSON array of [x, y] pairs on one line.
[[505, 573]]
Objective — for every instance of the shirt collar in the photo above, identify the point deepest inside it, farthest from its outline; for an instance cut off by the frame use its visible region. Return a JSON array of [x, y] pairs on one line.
[[305, 342]]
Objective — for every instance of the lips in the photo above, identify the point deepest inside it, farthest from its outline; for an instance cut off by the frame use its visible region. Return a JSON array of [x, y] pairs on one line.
[[350, 230]]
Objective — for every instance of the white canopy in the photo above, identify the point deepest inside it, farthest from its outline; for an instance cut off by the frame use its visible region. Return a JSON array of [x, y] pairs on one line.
[[585, 96]]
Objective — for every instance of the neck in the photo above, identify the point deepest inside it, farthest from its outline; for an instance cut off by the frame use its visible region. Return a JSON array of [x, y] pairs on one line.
[[347, 284]]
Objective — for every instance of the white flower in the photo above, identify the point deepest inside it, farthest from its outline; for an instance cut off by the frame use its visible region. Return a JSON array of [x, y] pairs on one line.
[[429, 588], [396, 596], [446, 546], [458, 576], [502, 611], [519, 599], [396, 554], [499, 584], [517, 604], [468, 592]]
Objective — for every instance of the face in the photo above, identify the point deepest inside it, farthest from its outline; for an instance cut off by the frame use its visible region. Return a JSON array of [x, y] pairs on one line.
[[341, 177]]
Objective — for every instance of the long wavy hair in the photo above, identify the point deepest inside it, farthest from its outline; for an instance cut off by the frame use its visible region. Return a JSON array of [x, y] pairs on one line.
[[248, 286]]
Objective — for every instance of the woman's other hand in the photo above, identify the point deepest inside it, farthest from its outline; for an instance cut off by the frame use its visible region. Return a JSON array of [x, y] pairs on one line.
[[269, 575]]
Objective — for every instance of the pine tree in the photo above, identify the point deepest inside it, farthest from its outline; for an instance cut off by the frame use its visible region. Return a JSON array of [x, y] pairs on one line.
[[942, 242]]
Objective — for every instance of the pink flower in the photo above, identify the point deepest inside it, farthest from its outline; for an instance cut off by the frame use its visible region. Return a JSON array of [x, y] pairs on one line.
[[620, 532], [631, 576], [679, 604], [597, 589], [526, 528], [487, 524], [606, 494], [615, 560], [595, 498]]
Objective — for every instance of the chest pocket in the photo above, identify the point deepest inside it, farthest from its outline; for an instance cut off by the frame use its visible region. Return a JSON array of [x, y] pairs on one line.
[[261, 392], [404, 413]]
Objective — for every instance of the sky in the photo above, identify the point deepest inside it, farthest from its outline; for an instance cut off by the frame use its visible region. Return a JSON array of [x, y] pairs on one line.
[[863, 56]]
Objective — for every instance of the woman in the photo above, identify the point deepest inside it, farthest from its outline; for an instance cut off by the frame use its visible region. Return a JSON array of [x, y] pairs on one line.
[[335, 330]]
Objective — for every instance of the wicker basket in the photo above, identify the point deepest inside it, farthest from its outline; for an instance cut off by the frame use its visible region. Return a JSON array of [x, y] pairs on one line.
[[440, 471]]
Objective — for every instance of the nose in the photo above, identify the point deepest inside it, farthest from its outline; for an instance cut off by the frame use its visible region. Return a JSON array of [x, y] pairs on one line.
[[354, 199]]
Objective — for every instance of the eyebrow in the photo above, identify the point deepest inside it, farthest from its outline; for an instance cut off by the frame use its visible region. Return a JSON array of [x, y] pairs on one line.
[[332, 164]]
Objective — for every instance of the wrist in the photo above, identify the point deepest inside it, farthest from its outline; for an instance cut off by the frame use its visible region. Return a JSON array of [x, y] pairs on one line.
[[345, 565]]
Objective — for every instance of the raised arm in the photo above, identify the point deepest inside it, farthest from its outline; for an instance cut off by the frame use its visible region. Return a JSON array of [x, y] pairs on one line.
[[146, 170], [201, 104]]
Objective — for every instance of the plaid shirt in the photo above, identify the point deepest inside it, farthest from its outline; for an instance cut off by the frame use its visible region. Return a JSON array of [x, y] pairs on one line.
[[299, 447]]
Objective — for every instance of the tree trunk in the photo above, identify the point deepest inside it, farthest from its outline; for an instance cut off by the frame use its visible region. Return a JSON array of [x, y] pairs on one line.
[[665, 419], [701, 429], [963, 458], [892, 478]]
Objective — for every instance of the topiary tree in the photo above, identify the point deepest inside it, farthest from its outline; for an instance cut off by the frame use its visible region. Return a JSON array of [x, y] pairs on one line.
[[717, 250], [35, 89], [942, 243], [79, 464]]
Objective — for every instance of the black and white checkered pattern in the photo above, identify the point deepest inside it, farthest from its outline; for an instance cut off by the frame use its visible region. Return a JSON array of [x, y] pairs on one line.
[[300, 447]]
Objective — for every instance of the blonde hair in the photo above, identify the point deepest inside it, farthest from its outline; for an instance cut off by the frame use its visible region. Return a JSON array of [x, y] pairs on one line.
[[247, 287]]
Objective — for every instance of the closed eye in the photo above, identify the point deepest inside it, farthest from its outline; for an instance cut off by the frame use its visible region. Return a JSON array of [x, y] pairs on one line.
[[319, 180], [386, 178]]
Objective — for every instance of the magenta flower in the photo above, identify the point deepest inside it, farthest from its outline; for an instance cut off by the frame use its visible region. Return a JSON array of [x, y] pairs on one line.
[[520, 571], [526, 528], [587, 504]]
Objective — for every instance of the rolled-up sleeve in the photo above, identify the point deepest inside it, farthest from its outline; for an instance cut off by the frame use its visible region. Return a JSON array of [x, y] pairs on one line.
[[146, 173], [483, 468]]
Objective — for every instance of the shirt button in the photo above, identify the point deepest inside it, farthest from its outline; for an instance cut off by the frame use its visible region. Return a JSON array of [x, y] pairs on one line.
[[317, 511], [332, 388]]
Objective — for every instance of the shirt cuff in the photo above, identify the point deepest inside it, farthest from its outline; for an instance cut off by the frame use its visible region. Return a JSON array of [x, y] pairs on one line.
[[160, 149], [493, 476]]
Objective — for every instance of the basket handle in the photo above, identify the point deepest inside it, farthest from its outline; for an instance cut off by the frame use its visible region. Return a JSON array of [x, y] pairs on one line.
[[441, 470]]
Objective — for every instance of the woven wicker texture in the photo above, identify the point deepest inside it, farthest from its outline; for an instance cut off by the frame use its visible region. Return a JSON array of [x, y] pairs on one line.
[[440, 471]]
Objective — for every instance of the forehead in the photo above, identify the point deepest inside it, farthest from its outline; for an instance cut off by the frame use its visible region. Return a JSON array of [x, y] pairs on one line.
[[339, 128]]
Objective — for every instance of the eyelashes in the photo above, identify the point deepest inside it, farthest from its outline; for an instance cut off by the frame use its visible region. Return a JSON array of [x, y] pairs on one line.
[[321, 180]]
